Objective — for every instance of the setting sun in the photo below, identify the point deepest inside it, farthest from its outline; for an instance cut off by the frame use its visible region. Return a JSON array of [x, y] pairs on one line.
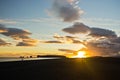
[[81, 54]]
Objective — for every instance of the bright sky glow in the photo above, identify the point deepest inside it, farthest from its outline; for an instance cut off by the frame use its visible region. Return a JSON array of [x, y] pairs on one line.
[[81, 54]]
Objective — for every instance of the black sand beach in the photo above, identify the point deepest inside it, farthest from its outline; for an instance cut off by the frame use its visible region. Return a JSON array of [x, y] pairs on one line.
[[62, 69]]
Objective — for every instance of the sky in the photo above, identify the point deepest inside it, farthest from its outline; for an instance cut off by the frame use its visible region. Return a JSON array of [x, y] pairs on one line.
[[61, 27]]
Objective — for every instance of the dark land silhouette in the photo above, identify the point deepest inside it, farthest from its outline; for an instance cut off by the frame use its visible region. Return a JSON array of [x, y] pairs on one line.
[[95, 68], [51, 56]]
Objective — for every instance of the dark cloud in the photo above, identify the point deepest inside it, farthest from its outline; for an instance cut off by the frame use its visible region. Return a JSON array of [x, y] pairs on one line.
[[67, 50], [67, 10], [58, 42], [77, 42], [115, 40], [80, 28], [99, 32], [4, 43], [3, 28], [102, 42], [103, 48], [77, 28], [28, 42], [24, 44], [70, 37], [17, 33]]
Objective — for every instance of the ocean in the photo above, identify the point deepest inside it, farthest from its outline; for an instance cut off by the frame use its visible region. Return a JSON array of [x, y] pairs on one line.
[[9, 59]]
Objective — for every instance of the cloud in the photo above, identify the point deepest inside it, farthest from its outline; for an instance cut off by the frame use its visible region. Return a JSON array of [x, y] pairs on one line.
[[57, 42], [16, 33], [24, 44], [67, 10], [102, 42], [3, 21], [77, 42], [3, 28], [62, 38], [67, 39], [80, 28], [67, 50], [99, 32], [72, 40], [77, 28], [28, 42], [58, 37], [4, 43], [103, 48], [115, 40], [70, 37]]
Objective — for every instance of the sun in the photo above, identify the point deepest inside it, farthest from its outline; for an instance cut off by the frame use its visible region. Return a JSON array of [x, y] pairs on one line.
[[80, 54]]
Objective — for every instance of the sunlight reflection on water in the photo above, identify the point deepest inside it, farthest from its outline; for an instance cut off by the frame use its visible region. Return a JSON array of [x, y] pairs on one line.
[[19, 59]]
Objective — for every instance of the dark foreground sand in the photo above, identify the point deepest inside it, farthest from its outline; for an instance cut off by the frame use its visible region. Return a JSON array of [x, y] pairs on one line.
[[62, 69]]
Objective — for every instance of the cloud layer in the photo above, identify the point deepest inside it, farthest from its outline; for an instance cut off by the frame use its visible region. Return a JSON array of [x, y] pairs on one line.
[[18, 34], [3, 28], [101, 41], [103, 48], [67, 39], [28, 42], [4, 43]]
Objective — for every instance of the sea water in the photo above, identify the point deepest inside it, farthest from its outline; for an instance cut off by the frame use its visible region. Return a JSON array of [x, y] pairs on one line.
[[8, 59]]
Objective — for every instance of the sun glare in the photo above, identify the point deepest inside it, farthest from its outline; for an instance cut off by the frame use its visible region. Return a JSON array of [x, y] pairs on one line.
[[81, 54]]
